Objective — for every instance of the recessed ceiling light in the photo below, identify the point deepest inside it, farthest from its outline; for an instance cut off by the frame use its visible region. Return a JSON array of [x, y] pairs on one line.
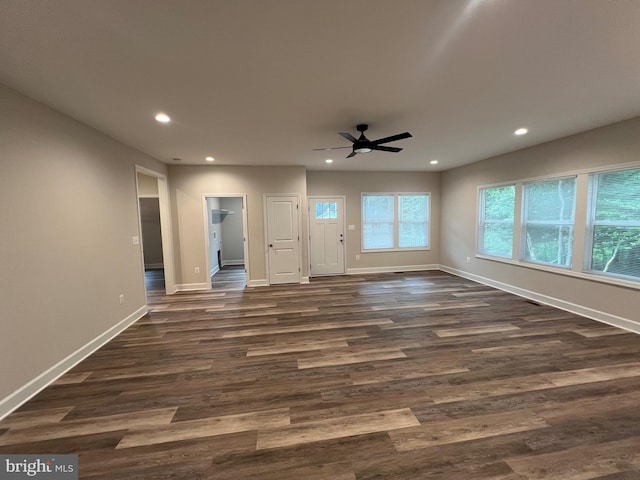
[[163, 117], [521, 131], [328, 160], [209, 159], [433, 162]]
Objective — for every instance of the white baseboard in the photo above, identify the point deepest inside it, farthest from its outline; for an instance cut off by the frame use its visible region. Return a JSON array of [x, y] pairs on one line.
[[189, 287], [232, 262], [258, 283], [46, 378], [598, 315], [214, 270], [304, 280], [391, 269]]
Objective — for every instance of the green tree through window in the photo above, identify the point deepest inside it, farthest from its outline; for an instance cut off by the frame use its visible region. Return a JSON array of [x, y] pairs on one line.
[[497, 207], [549, 210], [614, 223]]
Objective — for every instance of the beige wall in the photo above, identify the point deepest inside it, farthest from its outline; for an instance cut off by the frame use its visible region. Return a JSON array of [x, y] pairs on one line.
[[187, 186], [151, 232], [612, 145], [147, 185], [69, 212], [353, 184], [232, 249]]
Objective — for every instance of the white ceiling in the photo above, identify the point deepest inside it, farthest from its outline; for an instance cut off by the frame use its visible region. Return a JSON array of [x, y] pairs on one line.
[[263, 82]]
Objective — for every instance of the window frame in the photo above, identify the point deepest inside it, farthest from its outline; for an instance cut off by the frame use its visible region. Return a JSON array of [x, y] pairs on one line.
[[396, 222], [571, 224], [481, 222], [580, 242], [592, 223]]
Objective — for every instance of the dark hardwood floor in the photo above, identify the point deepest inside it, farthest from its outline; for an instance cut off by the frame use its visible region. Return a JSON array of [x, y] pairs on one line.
[[399, 376]]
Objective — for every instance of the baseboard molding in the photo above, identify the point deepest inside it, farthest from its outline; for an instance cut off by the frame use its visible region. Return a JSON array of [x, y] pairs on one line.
[[189, 287], [258, 283], [597, 315], [391, 269], [29, 390], [214, 270], [304, 280], [232, 262]]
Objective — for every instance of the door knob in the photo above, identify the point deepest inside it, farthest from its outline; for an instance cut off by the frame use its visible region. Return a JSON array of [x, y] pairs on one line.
[[271, 245]]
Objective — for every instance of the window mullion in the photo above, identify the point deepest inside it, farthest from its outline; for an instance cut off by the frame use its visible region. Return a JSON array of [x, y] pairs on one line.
[[396, 221]]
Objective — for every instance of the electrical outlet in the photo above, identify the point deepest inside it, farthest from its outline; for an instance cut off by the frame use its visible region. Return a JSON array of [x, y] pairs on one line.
[[196, 270], [357, 257], [121, 298]]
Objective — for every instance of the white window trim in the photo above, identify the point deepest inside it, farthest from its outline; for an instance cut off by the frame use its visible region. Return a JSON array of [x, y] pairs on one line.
[[396, 223], [522, 248], [480, 223], [592, 223]]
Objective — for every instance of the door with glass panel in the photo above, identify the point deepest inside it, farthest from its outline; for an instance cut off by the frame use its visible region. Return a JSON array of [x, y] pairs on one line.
[[326, 231]]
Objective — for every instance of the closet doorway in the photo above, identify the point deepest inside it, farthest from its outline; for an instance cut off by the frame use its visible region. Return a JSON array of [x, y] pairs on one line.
[[226, 240]]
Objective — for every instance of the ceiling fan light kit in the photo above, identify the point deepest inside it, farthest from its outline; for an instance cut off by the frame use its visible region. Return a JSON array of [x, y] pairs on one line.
[[363, 145]]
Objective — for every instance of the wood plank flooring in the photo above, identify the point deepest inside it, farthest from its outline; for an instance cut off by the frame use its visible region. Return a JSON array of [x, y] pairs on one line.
[[400, 376]]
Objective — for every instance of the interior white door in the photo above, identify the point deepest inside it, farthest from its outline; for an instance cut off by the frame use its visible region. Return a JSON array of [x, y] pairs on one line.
[[283, 238], [326, 229]]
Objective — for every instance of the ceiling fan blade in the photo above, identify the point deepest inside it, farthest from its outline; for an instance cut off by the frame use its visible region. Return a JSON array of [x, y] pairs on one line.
[[352, 154], [385, 149], [392, 138], [329, 148], [348, 136]]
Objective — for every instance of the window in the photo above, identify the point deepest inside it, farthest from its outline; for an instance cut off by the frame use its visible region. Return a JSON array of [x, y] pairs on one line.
[[614, 223], [326, 210], [495, 232], [548, 219], [394, 221]]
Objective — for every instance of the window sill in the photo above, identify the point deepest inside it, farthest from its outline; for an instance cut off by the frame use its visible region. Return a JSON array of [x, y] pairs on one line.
[[564, 271]]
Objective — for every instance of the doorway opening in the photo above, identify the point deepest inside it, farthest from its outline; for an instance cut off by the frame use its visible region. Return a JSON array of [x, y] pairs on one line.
[[155, 231], [226, 245]]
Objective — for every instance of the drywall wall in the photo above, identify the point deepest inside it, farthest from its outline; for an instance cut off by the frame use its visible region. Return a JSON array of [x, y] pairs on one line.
[[147, 185], [352, 185], [69, 212], [151, 232], [608, 146], [232, 248], [187, 186]]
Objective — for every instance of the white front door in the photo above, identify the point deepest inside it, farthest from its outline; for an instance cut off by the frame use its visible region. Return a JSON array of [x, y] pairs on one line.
[[283, 239], [326, 229]]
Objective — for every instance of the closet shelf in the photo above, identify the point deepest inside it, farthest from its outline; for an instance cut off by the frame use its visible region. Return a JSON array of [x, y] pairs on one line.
[[218, 215]]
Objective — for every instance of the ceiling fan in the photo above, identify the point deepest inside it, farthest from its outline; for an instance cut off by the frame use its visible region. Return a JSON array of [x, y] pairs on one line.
[[364, 145]]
